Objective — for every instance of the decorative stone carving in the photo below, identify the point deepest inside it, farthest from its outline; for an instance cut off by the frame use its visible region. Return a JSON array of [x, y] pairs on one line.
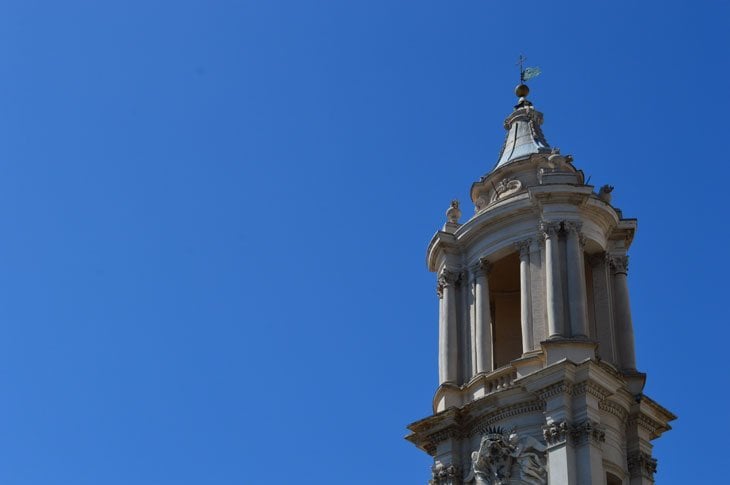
[[453, 214], [447, 278], [506, 187], [485, 265], [605, 193], [642, 464], [549, 229], [619, 264], [573, 226], [444, 474], [523, 247], [555, 433], [481, 268], [480, 203], [588, 432], [501, 455]]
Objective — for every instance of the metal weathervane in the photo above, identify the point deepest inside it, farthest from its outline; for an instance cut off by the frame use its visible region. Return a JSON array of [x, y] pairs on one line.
[[527, 73]]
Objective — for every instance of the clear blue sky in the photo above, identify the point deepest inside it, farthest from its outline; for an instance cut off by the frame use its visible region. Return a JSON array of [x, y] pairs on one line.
[[214, 219]]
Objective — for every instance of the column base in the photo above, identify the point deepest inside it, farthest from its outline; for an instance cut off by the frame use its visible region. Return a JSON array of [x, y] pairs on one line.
[[447, 395], [529, 362], [574, 350], [635, 381]]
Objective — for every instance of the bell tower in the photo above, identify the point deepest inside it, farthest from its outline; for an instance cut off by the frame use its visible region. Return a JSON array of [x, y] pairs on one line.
[[538, 381]]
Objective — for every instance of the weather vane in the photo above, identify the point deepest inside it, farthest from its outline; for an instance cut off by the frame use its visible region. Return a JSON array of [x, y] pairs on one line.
[[527, 73]]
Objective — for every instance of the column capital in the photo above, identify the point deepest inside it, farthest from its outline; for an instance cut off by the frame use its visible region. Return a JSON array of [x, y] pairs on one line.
[[447, 278], [549, 229], [481, 267], [523, 247], [619, 263], [444, 474], [641, 464], [573, 226]]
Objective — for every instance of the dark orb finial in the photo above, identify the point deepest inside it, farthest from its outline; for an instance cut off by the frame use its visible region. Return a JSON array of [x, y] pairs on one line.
[[522, 90]]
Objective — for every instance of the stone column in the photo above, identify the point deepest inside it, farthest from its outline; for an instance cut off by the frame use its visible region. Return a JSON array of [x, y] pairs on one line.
[[553, 283], [622, 312], [576, 280], [448, 336], [483, 333], [525, 299]]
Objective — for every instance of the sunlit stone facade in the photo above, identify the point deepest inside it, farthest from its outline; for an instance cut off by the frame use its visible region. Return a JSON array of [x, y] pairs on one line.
[[537, 372]]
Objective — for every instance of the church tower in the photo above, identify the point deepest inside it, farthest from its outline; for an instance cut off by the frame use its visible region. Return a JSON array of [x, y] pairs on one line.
[[537, 374]]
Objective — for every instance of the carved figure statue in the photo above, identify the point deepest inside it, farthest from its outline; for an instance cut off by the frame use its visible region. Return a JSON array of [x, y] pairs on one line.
[[454, 213], [529, 452], [499, 453], [605, 193]]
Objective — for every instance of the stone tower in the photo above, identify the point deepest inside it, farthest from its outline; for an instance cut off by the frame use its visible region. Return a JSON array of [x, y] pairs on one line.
[[537, 374]]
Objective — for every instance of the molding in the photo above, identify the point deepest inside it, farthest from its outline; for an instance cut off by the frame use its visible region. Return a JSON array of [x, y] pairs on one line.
[[614, 409], [555, 390], [483, 424], [592, 389]]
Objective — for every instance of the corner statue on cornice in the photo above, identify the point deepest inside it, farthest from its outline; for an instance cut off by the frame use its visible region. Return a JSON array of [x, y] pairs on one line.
[[453, 214], [605, 193], [500, 455]]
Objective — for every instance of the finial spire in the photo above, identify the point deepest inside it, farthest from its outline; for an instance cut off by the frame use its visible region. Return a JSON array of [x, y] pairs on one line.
[[526, 73], [521, 63]]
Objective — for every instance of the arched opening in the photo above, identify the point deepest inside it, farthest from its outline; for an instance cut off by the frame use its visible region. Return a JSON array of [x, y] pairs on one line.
[[504, 296], [612, 479]]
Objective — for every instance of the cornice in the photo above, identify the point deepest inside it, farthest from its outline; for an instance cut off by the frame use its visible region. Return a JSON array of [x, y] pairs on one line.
[[441, 241], [614, 409], [480, 426]]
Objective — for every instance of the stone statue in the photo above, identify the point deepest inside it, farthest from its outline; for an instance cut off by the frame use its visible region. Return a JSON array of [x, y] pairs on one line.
[[454, 213], [529, 455], [500, 455], [605, 193]]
